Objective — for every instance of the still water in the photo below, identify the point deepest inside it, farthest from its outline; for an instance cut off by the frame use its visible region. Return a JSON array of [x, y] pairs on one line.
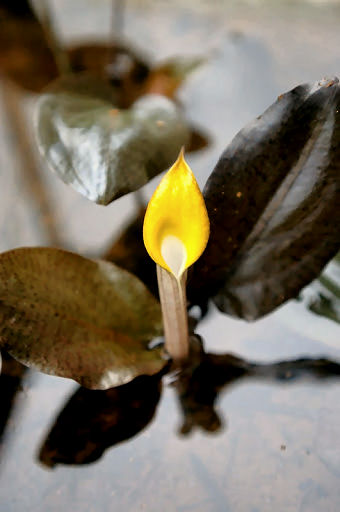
[[230, 436]]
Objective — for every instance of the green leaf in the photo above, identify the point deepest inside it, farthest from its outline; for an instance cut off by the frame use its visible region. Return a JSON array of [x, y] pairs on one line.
[[73, 317], [101, 151], [273, 203], [322, 296]]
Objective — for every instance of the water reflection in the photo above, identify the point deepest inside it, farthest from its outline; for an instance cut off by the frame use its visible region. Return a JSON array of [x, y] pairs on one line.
[[11, 376], [199, 388], [93, 421]]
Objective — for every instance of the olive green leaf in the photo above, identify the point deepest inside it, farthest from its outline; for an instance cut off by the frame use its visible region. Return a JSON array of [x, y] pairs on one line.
[[73, 317]]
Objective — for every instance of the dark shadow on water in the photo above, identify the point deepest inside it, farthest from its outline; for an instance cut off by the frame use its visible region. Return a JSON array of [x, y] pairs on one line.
[[10, 383], [93, 421], [199, 388]]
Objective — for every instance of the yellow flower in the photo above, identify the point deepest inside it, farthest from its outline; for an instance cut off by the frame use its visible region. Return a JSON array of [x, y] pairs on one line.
[[176, 224]]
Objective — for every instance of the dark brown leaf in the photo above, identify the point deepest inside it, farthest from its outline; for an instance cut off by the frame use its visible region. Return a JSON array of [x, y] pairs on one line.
[[273, 203]]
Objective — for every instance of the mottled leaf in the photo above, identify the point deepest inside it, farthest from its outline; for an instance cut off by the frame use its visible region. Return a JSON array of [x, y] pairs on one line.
[[102, 151], [273, 203], [73, 317]]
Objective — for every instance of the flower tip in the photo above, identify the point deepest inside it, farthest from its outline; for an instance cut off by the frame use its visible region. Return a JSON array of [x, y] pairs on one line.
[[181, 154], [176, 224]]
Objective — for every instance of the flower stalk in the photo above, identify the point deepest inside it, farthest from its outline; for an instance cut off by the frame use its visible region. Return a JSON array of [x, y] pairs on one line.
[[172, 292], [176, 231]]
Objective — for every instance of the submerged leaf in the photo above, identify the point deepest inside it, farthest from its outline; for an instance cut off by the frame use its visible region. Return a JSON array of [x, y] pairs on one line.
[[101, 151], [273, 203], [176, 225], [73, 317], [165, 78], [198, 140]]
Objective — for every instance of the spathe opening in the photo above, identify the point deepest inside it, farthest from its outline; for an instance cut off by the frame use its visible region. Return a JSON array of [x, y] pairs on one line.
[[174, 254]]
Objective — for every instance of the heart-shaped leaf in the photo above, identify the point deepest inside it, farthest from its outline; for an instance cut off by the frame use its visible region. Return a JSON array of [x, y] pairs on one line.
[[273, 203], [73, 317], [101, 151]]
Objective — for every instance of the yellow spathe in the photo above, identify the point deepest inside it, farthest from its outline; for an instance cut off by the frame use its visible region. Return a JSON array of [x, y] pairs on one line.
[[176, 223]]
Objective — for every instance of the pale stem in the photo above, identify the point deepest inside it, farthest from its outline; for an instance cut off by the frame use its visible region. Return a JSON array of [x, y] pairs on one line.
[[139, 199], [117, 20], [60, 55], [172, 294], [24, 150]]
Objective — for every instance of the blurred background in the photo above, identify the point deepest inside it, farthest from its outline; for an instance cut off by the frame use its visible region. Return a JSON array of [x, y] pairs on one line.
[[255, 50]]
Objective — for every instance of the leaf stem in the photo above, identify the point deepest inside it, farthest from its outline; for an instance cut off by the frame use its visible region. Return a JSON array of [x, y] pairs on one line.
[[117, 20], [172, 293], [13, 104], [116, 28], [60, 55]]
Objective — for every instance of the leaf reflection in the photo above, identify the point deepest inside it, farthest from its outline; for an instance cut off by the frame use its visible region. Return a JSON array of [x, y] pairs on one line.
[[93, 421], [11, 376], [198, 388]]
